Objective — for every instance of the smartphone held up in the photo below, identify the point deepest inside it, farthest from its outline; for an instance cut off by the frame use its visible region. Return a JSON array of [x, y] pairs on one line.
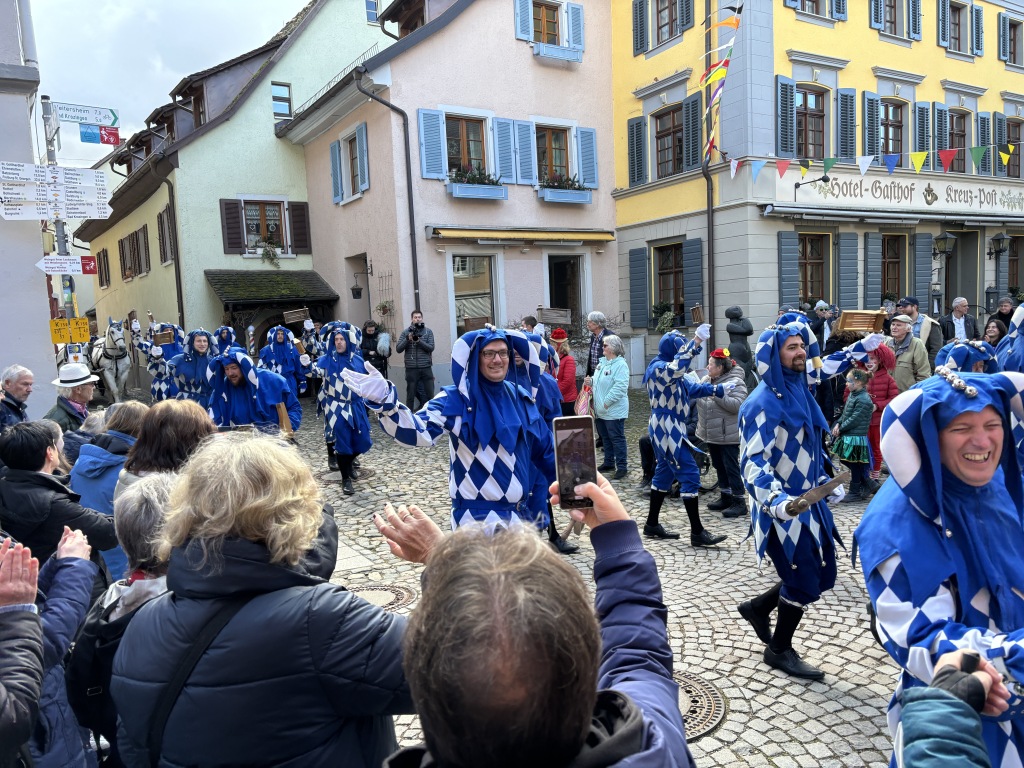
[[575, 458]]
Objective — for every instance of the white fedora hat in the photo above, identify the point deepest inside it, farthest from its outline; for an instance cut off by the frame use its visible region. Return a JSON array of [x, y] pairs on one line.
[[74, 374]]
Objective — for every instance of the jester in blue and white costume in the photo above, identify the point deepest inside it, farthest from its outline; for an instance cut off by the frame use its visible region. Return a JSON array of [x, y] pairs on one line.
[[224, 339], [346, 426], [281, 356], [244, 395], [496, 435], [969, 356], [158, 356], [671, 394], [940, 544], [1010, 350], [189, 368], [782, 455], [315, 348]]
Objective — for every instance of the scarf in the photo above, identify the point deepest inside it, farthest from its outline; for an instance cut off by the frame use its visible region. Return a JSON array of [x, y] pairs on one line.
[[899, 347]]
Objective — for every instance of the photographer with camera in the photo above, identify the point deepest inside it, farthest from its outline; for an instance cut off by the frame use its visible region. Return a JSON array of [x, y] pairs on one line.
[[417, 342]]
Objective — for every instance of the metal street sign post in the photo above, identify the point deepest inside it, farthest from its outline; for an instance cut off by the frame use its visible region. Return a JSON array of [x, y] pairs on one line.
[[79, 113]]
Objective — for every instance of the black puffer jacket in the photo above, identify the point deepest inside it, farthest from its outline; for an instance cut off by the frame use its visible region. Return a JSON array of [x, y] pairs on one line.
[[306, 674], [21, 680]]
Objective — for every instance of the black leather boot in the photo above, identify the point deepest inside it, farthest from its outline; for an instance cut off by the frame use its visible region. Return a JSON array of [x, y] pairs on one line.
[[332, 458], [724, 501]]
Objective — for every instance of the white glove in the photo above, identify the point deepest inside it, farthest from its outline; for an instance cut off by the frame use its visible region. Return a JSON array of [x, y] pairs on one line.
[[156, 352], [369, 386], [135, 326], [872, 342], [304, 360], [154, 327], [703, 331], [836, 496], [307, 324], [727, 387]]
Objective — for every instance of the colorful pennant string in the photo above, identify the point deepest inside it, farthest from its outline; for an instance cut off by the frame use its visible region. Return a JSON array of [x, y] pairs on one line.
[[755, 168]]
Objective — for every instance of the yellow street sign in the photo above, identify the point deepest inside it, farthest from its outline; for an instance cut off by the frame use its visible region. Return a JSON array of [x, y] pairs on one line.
[[80, 330], [60, 331]]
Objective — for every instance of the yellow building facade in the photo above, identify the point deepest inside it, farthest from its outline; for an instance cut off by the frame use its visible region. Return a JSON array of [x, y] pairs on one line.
[[845, 89]]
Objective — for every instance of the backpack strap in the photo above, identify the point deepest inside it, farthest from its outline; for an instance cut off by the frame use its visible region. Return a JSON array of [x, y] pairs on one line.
[[172, 691]]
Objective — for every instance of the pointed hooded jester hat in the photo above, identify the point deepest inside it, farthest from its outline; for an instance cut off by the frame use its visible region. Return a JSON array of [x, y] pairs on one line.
[[668, 348], [961, 356], [1010, 351], [218, 379], [189, 347]]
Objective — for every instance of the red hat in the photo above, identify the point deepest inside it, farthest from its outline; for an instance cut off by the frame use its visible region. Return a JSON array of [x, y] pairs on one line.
[[559, 334], [721, 353]]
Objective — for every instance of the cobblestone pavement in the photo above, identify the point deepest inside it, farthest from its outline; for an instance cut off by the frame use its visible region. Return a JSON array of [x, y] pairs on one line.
[[769, 719]]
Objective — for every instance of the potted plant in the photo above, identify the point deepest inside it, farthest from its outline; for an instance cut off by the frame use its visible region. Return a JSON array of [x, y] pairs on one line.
[[475, 183], [269, 253], [385, 308], [663, 316], [559, 188]]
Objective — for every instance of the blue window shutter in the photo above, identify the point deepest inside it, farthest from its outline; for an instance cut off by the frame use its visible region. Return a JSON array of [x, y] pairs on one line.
[[433, 156], [941, 132], [923, 131], [693, 274], [684, 15], [789, 268], [983, 138], [942, 17], [639, 27], [848, 247], [524, 19], [999, 129], [639, 293], [691, 131], [875, 14], [846, 124], [586, 144], [977, 30], [922, 264], [785, 117], [362, 158], [504, 150], [914, 16], [636, 150], [872, 116], [1004, 37], [791, 3], [872, 271], [1003, 274], [336, 187], [575, 36], [839, 10], [526, 152]]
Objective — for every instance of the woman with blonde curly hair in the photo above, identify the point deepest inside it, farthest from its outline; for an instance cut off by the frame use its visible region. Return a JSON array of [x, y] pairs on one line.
[[311, 669]]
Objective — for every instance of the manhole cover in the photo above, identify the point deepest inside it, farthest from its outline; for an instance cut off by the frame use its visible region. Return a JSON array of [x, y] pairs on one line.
[[702, 705], [387, 596]]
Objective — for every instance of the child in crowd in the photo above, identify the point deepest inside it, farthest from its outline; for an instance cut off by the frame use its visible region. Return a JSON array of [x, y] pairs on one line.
[[852, 432], [881, 389]]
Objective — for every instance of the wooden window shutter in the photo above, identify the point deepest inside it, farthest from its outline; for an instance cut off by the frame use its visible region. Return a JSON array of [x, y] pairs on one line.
[[872, 116], [1004, 37], [504, 150], [433, 152], [298, 223], [636, 150], [846, 122], [914, 16], [337, 188], [684, 15], [524, 19], [160, 239], [144, 248], [785, 117], [872, 271], [942, 17], [122, 257], [941, 129], [693, 274], [923, 130], [875, 14], [983, 138], [231, 226], [977, 30], [923, 264], [789, 268], [362, 158], [999, 139], [639, 294], [639, 27], [586, 144], [839, 10], [691, 132], [526, 151], [171, 234], [575, 36]]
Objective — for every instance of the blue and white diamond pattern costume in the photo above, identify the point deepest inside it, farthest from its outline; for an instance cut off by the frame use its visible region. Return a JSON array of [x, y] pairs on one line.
[[496, 435], [283, 358], [941, 556], [346, 426], [1010, 350], [189, 369], [158, 356]]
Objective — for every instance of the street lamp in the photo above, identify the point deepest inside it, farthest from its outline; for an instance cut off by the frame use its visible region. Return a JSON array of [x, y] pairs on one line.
[[998, 245], [943, 246]]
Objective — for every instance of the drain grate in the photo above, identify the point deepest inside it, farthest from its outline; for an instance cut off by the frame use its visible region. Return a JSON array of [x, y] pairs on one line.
[[702, 705], [387, 596]]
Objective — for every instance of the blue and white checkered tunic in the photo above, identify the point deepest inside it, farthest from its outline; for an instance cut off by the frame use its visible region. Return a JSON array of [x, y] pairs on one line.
[[163, 386]]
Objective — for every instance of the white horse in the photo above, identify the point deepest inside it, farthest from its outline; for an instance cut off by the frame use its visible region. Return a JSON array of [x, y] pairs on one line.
[[110, 359]]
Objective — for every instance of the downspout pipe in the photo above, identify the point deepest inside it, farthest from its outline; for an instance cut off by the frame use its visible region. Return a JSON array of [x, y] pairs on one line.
[[708, 180], [172, 226], [358, 76]]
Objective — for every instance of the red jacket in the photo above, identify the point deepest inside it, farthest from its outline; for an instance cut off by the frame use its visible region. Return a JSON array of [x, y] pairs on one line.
[[882, 386], [567, 378]]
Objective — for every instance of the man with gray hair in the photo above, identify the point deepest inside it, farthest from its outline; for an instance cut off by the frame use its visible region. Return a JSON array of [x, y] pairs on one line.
[[958, 324], [597, 325], [16, 382]]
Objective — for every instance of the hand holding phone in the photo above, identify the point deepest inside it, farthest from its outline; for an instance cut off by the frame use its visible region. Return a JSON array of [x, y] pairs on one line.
[[575, 458], [605, 505]]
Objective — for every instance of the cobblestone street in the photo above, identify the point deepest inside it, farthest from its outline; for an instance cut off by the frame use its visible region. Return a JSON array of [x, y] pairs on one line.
[[767, 719]]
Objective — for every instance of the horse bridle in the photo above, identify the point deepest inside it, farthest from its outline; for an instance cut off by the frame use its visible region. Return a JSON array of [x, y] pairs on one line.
[[107, 340]]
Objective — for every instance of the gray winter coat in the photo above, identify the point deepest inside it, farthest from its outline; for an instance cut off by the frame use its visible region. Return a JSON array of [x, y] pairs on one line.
[[417, 353], [717, 417]]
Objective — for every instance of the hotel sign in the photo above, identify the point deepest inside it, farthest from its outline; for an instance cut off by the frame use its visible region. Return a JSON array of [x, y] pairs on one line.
[[920, 194]]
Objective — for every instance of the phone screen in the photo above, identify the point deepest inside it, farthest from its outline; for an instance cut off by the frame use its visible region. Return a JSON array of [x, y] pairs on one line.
[[575, 458]]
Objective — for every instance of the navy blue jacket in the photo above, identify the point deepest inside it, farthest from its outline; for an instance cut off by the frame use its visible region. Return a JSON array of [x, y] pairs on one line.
[[11, 412], [312, 669], [65, 590]]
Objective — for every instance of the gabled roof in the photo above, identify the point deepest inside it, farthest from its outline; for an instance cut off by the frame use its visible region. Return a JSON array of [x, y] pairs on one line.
[[260, 286], [160, 112], [187, 81]]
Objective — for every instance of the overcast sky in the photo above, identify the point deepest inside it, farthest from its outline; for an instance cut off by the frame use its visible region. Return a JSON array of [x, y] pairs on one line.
[[129, 54]]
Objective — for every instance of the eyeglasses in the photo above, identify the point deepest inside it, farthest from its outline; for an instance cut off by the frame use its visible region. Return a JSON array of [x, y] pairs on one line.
[[490, 354]]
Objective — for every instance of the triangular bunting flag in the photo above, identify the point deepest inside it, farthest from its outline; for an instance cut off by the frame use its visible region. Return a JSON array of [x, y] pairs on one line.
[[755, 168], [978, 155], [719, 48], [829, 163], [946, 156], [805, 166], [864, 162], [891, 161], [1004, 155], [918, 158], [732, 21], [718, 74], [733, 167], [782, 166]]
